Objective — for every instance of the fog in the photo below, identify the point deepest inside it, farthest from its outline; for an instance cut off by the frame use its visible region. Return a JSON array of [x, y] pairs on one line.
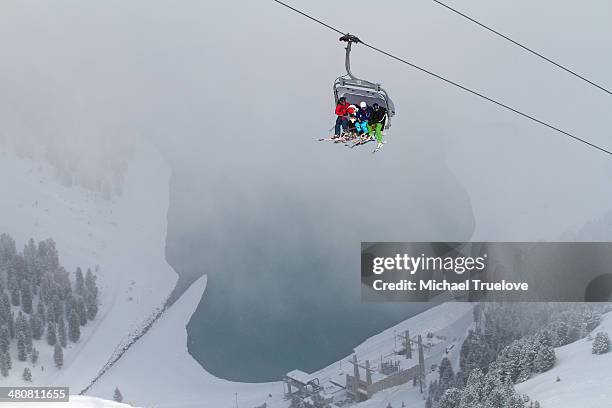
[[236, 93]]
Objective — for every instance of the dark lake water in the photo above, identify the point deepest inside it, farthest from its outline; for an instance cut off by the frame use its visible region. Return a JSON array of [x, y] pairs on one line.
[[283, 285], [296, 320]]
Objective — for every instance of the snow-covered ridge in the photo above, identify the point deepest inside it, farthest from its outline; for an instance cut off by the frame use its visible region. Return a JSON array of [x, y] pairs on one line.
[[158, 371], [585, 378], [76, 401], [124, 237]]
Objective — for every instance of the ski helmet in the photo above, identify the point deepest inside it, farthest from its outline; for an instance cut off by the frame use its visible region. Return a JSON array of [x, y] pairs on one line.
[[363, 104]]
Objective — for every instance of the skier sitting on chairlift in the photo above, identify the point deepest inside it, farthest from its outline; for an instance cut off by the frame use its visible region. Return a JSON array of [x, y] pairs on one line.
[[351, 110], [363, 116], [377, 122], [341, 120], [352, 127]]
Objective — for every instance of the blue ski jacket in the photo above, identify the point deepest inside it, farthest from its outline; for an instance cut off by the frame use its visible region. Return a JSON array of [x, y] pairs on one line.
[[363, 115]]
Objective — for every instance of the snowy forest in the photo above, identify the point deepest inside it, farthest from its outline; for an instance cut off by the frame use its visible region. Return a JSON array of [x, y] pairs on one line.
[[509, 344], [42, 307], [93, 163]]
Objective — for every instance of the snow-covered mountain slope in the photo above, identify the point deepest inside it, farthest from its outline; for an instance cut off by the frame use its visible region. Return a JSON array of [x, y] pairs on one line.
[[159, 372], [585, 378], [123, 237], [75, 402], [449, 320]]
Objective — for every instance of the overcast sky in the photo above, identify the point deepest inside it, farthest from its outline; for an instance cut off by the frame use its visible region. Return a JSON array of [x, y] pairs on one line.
[[239, 90]]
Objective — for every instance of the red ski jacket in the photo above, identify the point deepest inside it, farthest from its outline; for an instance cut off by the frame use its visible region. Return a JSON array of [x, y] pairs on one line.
[[341, 109]]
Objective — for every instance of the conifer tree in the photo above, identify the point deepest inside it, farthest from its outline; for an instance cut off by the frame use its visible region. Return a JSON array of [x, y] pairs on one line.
[[117, 397], [28, 336], [47, 255], [495, 398], [90, 283], [5, 307], [47, 291], [22, 326], [34, 356], [36, 327], [80, 282], [41, 313], [545, 360], [5, 339], [51, 335], [29, 255], [63, 283], [14, 290], [601, 344], [11, 325], [56, 309], [82, 312], [450, 399], [26, 297], [472, 394], [5, 364], [58, 356], [27, 375], [69, 305], [74, 327], [91, 304], [8, 250], [446, 377], [544, 338], [22, 355], [61, 331], [593, 320], [19, 270], [562, 334], [20, 322]]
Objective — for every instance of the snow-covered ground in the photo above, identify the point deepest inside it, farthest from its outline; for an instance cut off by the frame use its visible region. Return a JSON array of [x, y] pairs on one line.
[[123, 237], [450, 321], [75, 402], [585, 378], [159, 372]]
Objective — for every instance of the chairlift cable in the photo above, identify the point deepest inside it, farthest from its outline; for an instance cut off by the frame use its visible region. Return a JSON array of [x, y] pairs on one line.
[[310, 17], [541, 122], [523, 47], [448, 81]]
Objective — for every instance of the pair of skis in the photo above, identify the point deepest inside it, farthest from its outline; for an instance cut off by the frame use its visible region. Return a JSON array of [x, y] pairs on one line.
[[358, 142], [369, 139], [333, 139]]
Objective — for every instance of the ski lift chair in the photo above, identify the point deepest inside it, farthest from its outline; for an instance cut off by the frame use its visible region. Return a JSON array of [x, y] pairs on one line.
[[356, 90]]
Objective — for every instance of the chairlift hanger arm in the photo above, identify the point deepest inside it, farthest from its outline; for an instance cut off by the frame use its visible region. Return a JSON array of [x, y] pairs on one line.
[[349, 39]]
